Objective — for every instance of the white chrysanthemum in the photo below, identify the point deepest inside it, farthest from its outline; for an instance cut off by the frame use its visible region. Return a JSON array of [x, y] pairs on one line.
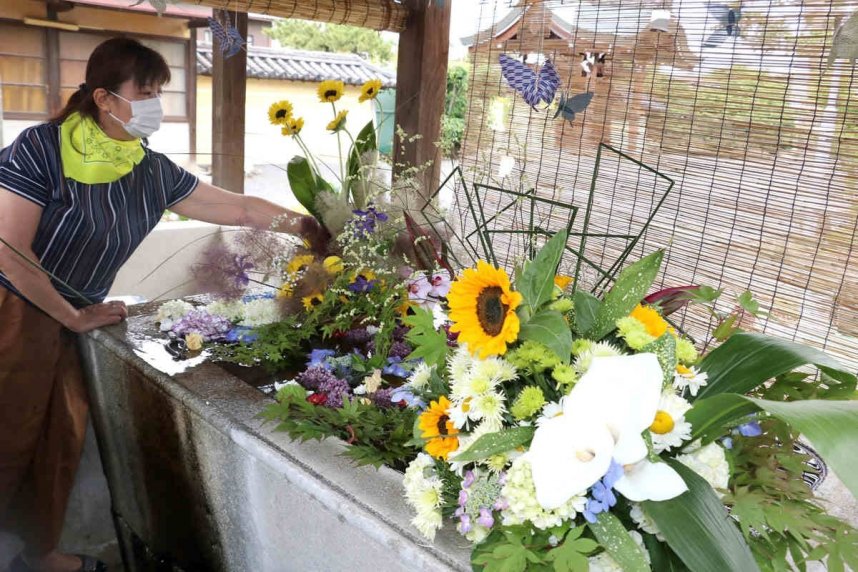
[[169, 312], [600, 349], [603, 562], [675, 407], [549, 411], [644, 522], [496, 370], [459, 365], [423, 492], [232, 310], [489, 407], [689, 377], [261, 312], [709, 462], [520, 494], [420, 376]]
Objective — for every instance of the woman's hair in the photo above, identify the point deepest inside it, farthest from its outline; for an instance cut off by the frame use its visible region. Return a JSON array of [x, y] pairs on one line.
[[111, 64]]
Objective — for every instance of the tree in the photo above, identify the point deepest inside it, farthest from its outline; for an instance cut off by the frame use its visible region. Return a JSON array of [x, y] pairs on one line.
[[336, 38]]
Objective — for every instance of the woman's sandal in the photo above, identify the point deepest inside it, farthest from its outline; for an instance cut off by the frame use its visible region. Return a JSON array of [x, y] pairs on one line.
[[88, 564]]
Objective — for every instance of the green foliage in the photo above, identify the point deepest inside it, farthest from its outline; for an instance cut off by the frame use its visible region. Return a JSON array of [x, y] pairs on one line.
[[305, 184], [375, 436], [550, 329], [496, 443], [336, 38], [276, 347], [536, 282], [572, 554], [455, 108], [631, 286], [586, 309], [664, 349], [365, 142], [611, 534], [518, 548], [429, 343]]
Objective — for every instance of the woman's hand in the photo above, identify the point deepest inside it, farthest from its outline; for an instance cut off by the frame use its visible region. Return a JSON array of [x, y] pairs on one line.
[[92, 317]]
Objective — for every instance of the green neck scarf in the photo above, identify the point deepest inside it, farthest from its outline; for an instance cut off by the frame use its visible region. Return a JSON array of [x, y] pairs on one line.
[[91, 157]]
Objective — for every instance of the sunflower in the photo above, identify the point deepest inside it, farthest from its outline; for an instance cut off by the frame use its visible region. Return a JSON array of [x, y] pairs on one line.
[[333, 264], [655, 325], [331, 90], [299, 263], [292, 126], [482, 309], [338, 122], [437, 427], [369, 90], [312, 300], [285, 291], [279, 112]]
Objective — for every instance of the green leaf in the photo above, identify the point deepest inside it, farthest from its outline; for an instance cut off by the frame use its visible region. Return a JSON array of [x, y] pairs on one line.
[[496, 443], [614, 537], [304, 183], [570, 556], [696, 526], [549, 328], [364, 143], [663, 558], [664, 349], [631, 286], [586, 308], [725, 329], [746, 301], [429, 344], [709, 416], [536, 282], [747, 359]]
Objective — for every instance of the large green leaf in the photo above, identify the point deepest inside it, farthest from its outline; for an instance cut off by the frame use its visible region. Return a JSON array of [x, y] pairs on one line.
[[631, 286], [747, 359], [586, 309], [665, 350], [549, 328], [365, 142], [831, 426], [536, 282], [495, 443], [302, 180], [614, 537], [696, 526]]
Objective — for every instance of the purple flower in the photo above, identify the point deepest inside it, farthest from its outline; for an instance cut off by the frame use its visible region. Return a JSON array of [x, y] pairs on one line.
[[402, 393], [314, 377], [336, 389], [602, 497], [486, 519], [501, 504], [361, 284], [465, 523], [400, 350], [440, 282], [469, 479], [319, 358], [399, 332], [393, 367], [382, 397], [463, 497], [364, 220], [418, 288], [211, 327], [750, 429], [356, 336]]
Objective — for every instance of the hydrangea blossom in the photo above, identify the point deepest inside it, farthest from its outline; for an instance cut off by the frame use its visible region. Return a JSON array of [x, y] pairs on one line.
[[211, 328]]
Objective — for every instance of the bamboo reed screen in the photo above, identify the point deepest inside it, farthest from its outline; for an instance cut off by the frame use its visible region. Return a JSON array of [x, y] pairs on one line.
[[759, 135], [376, 14]]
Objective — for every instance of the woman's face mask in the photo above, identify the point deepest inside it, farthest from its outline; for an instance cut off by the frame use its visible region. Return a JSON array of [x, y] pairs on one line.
[[146, 116]]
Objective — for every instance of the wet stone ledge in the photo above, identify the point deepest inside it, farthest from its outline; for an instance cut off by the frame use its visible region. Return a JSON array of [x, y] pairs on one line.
[[198, 482]]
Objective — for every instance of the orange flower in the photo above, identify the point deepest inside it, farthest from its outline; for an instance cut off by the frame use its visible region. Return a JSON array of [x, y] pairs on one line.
[[655, 325]]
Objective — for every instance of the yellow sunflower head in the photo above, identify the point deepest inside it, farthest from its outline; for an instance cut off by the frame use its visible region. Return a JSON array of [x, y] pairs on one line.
[[279, 112], [330, 90], [655, 325], [312, 300], [369, 90], [436, 426], [285, 291], [338, 122], [293, 126], [482, 309], [299, 263], [333, 264]]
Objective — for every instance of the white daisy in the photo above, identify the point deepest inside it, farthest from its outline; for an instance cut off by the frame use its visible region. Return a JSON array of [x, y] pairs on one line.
[[689, 377], [670, 429], [420, 376]]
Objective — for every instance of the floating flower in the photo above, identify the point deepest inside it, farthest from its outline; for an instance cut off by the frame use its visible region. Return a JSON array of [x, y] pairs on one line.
[[292, 126], [211, 328], [436, 426], [369, 90], [482, 309], [603, 418], [330, 90], [338, 122], [169, 312], [279, 112], [261, 312], [311, 301], [669, 429], [194, 341], [689, 377]]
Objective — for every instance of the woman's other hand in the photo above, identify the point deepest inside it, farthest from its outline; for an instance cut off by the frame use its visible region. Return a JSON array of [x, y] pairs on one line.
[[96, 316]]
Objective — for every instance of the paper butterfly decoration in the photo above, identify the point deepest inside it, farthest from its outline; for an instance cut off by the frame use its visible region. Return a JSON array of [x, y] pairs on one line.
[[593, 61], [569, 106], [228, 37], [533, 87], [728, 18]]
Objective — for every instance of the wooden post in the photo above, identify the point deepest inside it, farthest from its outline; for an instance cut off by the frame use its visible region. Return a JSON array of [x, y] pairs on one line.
[[421, 85], [229, 93]]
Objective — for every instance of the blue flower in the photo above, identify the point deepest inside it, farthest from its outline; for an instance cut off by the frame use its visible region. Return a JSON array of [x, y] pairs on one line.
[[361, 284], [602, 496], [393, 367], [404, 394], [261, 296], [241, 334], [319, 358], [750, 429]]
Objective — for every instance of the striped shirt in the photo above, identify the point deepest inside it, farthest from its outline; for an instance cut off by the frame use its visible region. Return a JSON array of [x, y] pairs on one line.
[[87, 232]]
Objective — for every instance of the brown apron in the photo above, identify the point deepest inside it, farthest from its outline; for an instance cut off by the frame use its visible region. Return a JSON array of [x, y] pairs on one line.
[[43, 411]]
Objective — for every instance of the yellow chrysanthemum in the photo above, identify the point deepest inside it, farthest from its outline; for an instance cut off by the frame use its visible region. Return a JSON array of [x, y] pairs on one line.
[[369, 90], [331, 90], [562, 281], [279, 112], [436, 426], [655, 325], [338, 122], [292, 126], [333, 264], [482, 309], [299, 263], [312, 301]]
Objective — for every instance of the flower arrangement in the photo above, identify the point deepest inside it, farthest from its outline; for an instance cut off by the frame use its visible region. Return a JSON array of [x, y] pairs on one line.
[[568, 432]]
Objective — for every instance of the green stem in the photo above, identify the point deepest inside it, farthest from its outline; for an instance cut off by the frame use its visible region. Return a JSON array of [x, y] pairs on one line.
[[340, 152], [309, 155]]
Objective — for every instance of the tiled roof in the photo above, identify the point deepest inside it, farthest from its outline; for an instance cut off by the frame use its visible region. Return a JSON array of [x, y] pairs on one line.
[[299, 65]]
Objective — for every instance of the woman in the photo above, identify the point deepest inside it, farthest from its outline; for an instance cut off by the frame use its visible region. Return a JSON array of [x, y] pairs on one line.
[[78, 194]]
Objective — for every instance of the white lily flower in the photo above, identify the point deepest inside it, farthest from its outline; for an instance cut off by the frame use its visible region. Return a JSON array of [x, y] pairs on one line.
[[603, 418]]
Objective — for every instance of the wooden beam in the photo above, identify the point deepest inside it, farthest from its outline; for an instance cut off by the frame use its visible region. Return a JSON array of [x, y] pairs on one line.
[[421, 86], [229, 94]]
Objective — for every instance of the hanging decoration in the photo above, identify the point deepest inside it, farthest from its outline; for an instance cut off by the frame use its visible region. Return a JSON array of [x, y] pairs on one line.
[[728, 20], [533, 87], [845, 42], [228, 37], [593, 61]]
